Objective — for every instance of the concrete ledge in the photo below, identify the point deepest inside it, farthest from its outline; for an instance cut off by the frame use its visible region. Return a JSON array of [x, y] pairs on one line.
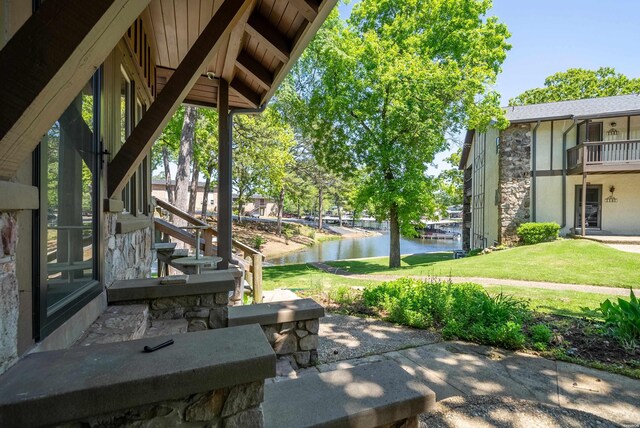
[[370, 395], [16, 196], [50, 388], [113, 206], [150, 288], [275, 312]]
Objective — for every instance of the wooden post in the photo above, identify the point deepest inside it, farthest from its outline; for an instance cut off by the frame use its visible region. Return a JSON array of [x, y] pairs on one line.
[[207, 235], [257, 277], [225, 192], [584, 203]]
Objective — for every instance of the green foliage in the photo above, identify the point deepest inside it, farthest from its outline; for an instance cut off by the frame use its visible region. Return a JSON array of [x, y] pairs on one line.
[[450, 182], [344, 295], [541, 334], [258, 241], [535, 233], [378, 93], [624, 318], [288, 234], [578, 83], [463, 311]]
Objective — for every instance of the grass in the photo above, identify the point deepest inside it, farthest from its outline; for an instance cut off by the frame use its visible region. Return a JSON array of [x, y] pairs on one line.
[[563, 261], [306, 277], [557, 302]]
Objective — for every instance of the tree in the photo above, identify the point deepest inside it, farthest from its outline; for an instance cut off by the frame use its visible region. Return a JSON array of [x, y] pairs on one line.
[[165, 150], [260, 154], [388, 84], [206, 151], [578, 83], [451, 182], [183, 172]]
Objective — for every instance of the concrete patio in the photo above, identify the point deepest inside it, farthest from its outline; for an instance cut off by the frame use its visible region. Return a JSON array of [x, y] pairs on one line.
[[453, 369]]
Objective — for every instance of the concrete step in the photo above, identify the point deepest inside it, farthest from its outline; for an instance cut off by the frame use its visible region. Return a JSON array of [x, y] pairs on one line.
[[118, 323], [370, 395], [166, 327]]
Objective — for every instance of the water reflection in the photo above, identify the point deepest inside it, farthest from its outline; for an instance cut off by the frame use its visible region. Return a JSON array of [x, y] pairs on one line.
[[356, 248]]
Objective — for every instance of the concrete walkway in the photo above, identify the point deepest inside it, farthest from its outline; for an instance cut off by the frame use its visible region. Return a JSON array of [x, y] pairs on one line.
[[453, 369], [611, 291]]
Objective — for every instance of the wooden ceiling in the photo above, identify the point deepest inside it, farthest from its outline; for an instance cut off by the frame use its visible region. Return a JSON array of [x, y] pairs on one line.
[[254, 59]]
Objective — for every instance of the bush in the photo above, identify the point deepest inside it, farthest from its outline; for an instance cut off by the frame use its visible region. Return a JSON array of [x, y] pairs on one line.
[[535, 233], [463, 311], [258, 241], [541, 336], [624, 318]]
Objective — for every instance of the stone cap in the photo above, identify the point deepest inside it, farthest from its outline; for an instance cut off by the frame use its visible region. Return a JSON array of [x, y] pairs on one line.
[[369, 395], [150, 288], [48, 388], [275, 312]]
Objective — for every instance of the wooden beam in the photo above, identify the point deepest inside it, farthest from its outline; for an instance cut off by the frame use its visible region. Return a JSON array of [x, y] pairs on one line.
[[268, 35], [167, 102], [255, 69], [235, 45], [308, 8], [47, 62], [301, 42], [245, 93]]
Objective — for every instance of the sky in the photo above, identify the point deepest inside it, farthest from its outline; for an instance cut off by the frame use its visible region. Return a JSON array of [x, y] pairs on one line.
[[548, 36]]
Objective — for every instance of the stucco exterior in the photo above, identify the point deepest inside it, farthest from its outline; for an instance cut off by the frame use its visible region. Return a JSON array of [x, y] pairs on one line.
[[524, 177]]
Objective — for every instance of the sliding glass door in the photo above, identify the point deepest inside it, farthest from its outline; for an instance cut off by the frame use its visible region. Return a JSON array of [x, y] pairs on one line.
[[67, 232]]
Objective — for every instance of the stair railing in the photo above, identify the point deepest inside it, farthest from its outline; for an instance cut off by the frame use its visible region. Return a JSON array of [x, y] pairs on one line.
[[252, 257]]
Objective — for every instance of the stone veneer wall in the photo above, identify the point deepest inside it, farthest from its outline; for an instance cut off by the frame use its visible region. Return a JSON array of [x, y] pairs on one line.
[[127, 255], [203, 312], [234, 407], [514, 182], [296, 341], [9, 304]]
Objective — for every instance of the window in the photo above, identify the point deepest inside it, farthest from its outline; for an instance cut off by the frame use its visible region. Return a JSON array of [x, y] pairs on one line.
[[67, 232]]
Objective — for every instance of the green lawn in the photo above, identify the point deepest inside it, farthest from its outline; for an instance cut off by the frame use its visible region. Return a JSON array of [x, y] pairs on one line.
[[564, 261], [305, 277]]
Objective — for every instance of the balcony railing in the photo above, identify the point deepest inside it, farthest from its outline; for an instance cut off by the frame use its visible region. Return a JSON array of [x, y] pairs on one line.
[[603, 156]]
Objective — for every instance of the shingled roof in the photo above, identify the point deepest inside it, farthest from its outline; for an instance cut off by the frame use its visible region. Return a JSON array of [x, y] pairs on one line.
[[590, 108], [578, 109]]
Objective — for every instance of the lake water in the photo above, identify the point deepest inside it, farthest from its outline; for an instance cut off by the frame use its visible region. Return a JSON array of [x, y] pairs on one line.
[[357, 248]]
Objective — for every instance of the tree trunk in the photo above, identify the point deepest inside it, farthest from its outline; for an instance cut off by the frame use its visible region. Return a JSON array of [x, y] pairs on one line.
[[299, 212], [184, 162], [240, 206], [193, 188], [339, 215], [394, 236], [207, 189], [320, 208], [167, 174], [280, 208]]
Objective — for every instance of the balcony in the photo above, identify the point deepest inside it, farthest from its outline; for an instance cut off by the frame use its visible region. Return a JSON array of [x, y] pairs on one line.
[[604, 157]]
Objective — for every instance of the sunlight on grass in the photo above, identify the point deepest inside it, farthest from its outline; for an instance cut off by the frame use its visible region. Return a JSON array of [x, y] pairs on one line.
[[563, 261]]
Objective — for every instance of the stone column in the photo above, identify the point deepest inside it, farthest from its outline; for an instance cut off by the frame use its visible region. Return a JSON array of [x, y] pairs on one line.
[[9, 304], [514, 181]]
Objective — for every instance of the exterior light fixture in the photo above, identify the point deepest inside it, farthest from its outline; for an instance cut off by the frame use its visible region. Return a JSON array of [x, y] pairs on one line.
[[613, 132], [211, 75], [611, 199]]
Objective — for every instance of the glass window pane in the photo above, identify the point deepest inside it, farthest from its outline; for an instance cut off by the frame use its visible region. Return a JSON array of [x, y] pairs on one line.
[[69, 154]]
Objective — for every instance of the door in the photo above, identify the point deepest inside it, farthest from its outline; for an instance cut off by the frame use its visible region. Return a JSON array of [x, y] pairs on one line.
[[593, 207]]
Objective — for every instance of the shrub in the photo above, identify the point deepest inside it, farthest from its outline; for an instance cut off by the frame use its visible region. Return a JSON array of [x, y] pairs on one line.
[[288, 234], [463, 311], [541, 336], [258, 241], [624, 318], [343, 295], [535, 233]]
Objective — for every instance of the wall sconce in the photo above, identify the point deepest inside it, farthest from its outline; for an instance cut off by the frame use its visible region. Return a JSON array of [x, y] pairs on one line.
[[611, 199], [613, 132]]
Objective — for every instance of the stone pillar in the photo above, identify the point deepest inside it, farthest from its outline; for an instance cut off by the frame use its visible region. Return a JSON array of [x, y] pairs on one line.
[[9, 304], [514, 181], [126, 255]]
